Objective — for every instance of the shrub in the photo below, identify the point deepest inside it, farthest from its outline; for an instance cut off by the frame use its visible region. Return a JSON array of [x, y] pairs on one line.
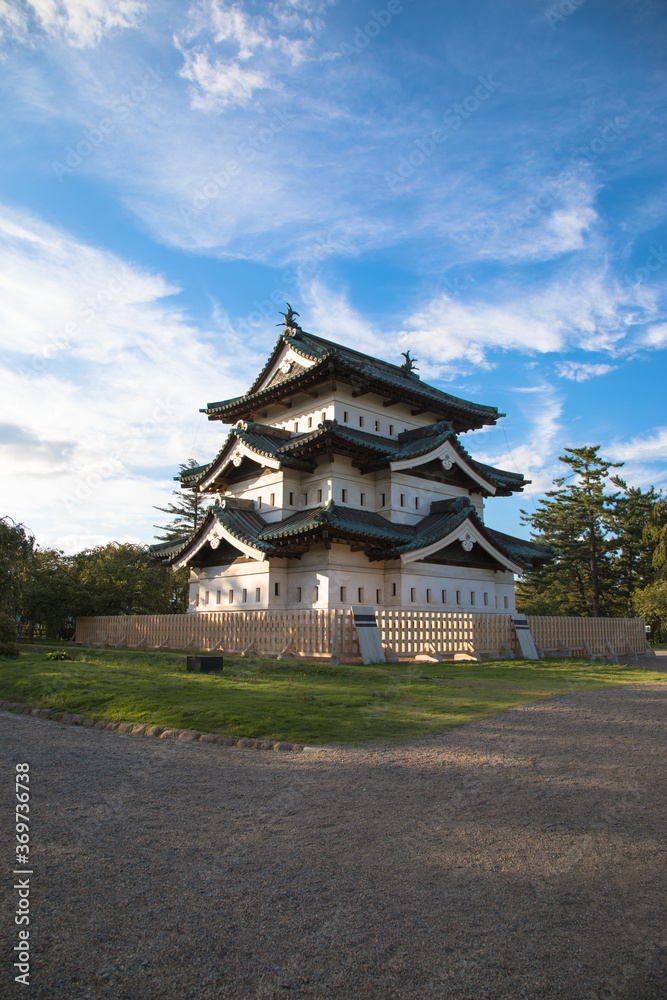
[[9, 649], [7, 627], [59, 654]]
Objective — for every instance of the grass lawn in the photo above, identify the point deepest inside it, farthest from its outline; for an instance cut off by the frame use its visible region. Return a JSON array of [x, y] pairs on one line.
[[299, 702]]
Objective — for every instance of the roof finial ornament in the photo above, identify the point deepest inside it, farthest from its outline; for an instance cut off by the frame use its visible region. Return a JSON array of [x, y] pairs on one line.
[[289, 322], [409, 364]]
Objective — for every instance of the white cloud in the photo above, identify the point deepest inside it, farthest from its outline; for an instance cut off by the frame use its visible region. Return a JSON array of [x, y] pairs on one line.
[[223, 38], [656, 336], [81, 23], [652, 448], [102, 377], [588, 312], [576, 371]]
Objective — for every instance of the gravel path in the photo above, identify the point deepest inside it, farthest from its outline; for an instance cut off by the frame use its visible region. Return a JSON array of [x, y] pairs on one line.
[[514, 857]]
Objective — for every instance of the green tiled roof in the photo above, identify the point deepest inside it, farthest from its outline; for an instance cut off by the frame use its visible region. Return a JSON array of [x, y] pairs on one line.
[[382, 539], [370, 451], [335, 359]]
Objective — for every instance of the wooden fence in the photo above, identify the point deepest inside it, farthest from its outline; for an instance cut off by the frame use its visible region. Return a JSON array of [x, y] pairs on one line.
[[331, 632]]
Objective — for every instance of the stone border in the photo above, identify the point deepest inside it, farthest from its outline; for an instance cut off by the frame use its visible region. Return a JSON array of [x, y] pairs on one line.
[[139, 729]]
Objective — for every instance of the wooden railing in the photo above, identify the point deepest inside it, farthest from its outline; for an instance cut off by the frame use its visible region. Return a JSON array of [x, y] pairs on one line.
[[331, 632]]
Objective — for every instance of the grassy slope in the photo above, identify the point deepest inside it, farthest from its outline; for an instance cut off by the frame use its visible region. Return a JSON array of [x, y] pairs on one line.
[[295, 701]]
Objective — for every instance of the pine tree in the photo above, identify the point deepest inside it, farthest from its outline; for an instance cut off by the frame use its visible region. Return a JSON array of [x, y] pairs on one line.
[[575, 520], [635, 524], [188, 512]]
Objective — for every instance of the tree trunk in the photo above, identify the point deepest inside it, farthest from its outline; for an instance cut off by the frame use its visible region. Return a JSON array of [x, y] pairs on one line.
[[595, 587]]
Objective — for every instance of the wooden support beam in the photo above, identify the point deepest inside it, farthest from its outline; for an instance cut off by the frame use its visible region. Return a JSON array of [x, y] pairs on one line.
[[361, 390], [420, 409], [390, 402]]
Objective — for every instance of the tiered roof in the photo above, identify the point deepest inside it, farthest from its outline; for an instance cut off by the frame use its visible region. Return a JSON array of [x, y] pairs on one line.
[[369, 453], [333, 363], [448, 522]]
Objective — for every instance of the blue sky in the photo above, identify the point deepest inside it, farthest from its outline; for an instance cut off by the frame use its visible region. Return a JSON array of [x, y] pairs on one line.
[[482, 183]]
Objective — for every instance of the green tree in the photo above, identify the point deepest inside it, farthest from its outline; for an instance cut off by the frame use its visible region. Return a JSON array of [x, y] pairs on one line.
[[575, 519], [630, 521], [187, 513], [111, 579], [650, 603], [16, 549]]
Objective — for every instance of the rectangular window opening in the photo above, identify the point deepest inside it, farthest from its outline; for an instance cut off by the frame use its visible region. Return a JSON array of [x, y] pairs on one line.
[[324, 416], [391, 429], [296, 428], [413, 594], [444, 597], [259, 503], [206, 597], [343, 496], [310, 422], [245, 596], [258, 594], [305, 499], [402, 499], [361, 421], [393, 590], [416, 503], [486, 599], [458, 596], [506, 602], [383, 497], [472, 596], [316, 594], [319, 496], [362, 499], [218, 597], [377, 425], [230, 597], [378, 597], [276, 589], [360, 593], [272, 500], [346, 416], [298, 594], [428, 596], [291, 499], [342, 593]]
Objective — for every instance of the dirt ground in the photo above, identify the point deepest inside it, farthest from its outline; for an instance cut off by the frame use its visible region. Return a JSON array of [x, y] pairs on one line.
[[520, 856]]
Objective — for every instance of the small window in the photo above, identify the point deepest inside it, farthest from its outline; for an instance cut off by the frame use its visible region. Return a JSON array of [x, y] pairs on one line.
[[259, 503], [346, 416], [310, 422], [218, 597], [343, 496], [342, 593], [402, 499], [272, 500], [383, 498], [296, 428], [245, 596], [276, 589], [319, 496], [206, 597], [472, 596], [486, 599], [362, 499], [291, 499], [197, 600], [361, 421], [413, 594], [506, 602], [444, 597], [393, 590], [391, 429], [316, 594], [458, 596], [324, 417], [230, 597], [305, 499], [428, 596], [416, 503], [360, 595], [258, 594], [378, 597], [298, 594], [377, 425]]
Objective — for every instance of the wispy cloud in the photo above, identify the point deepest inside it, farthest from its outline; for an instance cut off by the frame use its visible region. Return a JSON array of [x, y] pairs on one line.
[[79, 23], [581, 371]]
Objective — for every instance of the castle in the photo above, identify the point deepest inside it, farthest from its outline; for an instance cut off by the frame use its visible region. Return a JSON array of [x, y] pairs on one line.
[[343, 482]]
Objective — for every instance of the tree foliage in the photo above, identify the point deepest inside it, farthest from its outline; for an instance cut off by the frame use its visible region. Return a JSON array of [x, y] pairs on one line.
[[16, 550], [187, 513], [605, 541]]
